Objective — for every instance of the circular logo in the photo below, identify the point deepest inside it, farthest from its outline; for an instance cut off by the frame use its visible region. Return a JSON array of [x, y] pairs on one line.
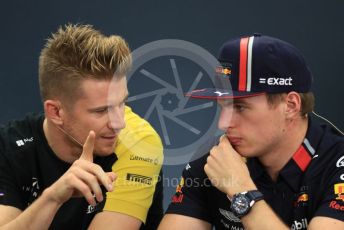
[[163, 71]]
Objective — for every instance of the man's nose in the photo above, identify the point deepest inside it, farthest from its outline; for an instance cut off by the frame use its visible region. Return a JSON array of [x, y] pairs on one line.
[[226, 120], [116, 119]]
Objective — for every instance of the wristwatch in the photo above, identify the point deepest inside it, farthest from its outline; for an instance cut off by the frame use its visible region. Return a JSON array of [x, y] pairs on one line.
[[241, 203]]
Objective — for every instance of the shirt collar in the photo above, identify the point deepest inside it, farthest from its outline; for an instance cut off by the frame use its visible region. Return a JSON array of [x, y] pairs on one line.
[[293, 171]]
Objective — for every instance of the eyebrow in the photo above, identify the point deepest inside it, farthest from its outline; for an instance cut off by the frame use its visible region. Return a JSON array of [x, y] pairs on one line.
[[241, 101], [107, 106], [233, 102]]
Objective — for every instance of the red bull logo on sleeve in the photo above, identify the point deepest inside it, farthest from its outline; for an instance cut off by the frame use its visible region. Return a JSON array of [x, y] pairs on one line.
[[339, 191], [181, 184], [178, 196]]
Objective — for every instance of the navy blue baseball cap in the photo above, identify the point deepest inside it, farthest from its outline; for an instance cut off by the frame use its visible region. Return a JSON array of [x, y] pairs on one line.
[[255, 65]]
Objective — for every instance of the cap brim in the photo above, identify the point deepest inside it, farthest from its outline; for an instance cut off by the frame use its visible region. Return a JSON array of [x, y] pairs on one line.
[[211, 93]]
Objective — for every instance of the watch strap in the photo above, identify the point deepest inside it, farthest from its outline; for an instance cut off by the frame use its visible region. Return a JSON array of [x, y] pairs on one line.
[[255, 195]]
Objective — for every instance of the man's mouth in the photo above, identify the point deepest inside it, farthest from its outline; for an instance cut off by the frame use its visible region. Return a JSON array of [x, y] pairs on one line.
[[234, 140], [109, 137]]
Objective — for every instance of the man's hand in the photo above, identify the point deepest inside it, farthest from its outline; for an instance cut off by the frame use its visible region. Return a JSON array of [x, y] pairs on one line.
[[83, 178], [227, 170]]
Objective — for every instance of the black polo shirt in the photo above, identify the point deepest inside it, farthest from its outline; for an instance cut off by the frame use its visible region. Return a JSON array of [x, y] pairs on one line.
[[310, 184]]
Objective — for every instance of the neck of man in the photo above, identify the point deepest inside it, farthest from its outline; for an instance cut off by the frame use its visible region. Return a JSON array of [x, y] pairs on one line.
[[63, 147], [290, 142]]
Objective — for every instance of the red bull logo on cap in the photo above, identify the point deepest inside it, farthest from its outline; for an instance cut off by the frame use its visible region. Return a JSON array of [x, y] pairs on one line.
[[226, 71]]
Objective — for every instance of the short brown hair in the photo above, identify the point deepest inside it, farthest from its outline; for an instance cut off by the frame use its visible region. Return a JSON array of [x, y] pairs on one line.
[[77, 52], [307, 101]]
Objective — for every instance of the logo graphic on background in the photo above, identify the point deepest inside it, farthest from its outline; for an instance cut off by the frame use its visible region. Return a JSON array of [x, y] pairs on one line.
[[162, 72], [219, 93], [335, 205], [187, 167], [342, 177], [90, 208], [142, 158], [298, 225], [340, 162], [180, 186], [32, 190], [302, 200], [22, 142], [178, 196], [225, 70], [339, 191], [139, 178], [276, 81], [229, 216]]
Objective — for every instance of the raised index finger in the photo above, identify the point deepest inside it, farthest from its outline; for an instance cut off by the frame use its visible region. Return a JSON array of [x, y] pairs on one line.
[[87, 150]]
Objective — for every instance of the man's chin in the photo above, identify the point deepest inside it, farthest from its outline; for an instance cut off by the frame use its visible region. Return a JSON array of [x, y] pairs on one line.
[[103, 152], [241, 151]]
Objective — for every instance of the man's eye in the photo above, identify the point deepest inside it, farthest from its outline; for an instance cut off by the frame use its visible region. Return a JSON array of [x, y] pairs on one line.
[[101, 110], [239, 108]]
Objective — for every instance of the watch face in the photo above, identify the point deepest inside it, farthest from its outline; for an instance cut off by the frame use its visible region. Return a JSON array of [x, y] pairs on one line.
[[240, 204]]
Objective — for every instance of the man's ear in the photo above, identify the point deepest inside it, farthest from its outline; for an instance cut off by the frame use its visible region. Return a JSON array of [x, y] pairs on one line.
[[54, 111], [293, 105]]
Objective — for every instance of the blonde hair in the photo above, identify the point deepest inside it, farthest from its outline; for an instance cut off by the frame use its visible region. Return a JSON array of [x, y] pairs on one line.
[[78, 52]]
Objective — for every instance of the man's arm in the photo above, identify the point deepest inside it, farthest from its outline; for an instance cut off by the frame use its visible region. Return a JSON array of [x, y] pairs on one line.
[[81, 179], [180, 222], [38, 216], [261, 211], [227, 171], [8, 213], [114, 220], [325, 223]]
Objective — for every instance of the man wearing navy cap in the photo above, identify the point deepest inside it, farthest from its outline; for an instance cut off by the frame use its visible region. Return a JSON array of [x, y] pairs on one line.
[[276, 167]]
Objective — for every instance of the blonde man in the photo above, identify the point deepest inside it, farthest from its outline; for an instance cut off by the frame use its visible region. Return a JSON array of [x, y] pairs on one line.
[[53, 166]]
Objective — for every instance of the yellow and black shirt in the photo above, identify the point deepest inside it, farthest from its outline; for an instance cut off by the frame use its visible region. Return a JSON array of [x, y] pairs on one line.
[[28, 166]]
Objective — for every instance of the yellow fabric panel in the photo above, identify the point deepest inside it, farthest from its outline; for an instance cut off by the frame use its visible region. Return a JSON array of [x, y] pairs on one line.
[[140, 155]]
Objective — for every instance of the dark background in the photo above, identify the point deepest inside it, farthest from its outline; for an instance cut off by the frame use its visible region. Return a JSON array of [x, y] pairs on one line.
[[315, 27]]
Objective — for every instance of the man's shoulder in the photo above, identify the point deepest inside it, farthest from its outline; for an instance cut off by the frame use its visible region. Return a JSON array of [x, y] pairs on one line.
[[325, 138], [326, 146], [138, 133], [21, 134], [137, 124]]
